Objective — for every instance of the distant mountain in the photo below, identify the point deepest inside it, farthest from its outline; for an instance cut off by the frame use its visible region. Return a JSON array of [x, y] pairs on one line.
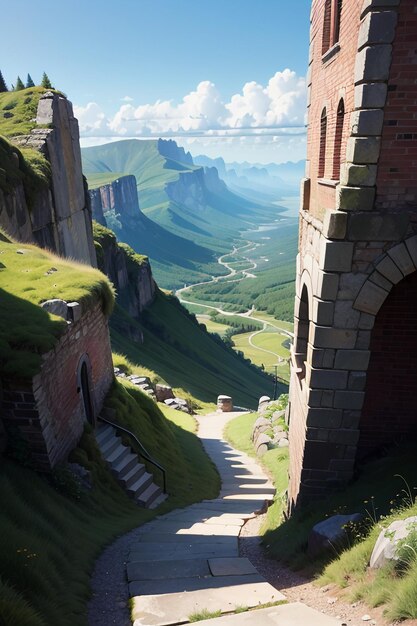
[[188, 215], [272, 180]]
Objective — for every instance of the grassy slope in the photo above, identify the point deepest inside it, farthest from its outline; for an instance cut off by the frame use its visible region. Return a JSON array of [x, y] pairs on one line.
[[26, 330], [273, 288], [97, 180], [186, 356], [44, 579], [18, 111], [211, 230]]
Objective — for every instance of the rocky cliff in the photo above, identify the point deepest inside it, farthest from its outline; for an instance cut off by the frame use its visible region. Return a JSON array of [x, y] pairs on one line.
[[130, 272], [117, 197], [56, 215], [171, 150]]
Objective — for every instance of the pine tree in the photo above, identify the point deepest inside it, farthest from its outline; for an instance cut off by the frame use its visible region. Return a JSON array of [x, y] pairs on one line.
[[19, 84], [46, 83], [3, 86], [29, 81]]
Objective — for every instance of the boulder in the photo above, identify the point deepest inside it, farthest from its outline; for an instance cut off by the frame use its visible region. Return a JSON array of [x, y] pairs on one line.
[[276, 415], [330, 534], [386, 546], [283, 443], [261, 425], [261, 444], [163, 392], [224, 404], [56, 307]]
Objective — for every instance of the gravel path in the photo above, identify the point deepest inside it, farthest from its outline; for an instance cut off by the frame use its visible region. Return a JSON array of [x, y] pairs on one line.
[[329, 600]]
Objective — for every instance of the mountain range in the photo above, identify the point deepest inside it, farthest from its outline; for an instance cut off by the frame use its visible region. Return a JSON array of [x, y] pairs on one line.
[[186, 217]]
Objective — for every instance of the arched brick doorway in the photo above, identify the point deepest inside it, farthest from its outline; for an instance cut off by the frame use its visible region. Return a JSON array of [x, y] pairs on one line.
[[390, 407]]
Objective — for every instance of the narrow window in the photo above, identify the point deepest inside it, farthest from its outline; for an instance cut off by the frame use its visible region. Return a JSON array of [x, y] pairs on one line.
[[337, 12], [322, 153], [327, 26], [302, 334], [338, 139]]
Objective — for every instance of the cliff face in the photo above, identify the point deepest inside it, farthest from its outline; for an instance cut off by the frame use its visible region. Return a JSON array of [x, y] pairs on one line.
[[170, 150], [130, 273], [59, 215], [118, 197]]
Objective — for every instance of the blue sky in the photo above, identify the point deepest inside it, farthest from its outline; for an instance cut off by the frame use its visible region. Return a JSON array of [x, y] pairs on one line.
[[205, 71]]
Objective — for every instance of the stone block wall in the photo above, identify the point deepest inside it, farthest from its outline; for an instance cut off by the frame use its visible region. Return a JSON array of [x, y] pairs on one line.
[[49, 410], [355, 288]]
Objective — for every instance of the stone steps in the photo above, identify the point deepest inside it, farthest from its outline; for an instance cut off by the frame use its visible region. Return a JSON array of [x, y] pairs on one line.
[[127, 469]]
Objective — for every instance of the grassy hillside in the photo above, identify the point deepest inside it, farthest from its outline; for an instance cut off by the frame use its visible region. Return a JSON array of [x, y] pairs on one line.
[[29, 276], [273, 288], [194, 228], [186, 355], [51, 533]]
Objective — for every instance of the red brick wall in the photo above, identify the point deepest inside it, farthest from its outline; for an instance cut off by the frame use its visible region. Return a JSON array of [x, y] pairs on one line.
[[397, 171], [331, 80], [49, 413], [390, 407]]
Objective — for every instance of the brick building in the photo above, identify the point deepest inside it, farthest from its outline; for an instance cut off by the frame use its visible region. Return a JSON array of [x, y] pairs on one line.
[[49, 410], [354, 361]]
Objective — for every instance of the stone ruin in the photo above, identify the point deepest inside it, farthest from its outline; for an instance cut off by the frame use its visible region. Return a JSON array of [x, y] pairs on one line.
[[224, 404], [267, 431], [158, 392]]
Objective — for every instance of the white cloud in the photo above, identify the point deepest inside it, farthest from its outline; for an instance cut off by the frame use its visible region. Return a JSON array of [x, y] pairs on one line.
[[268, 110], [127, 99]]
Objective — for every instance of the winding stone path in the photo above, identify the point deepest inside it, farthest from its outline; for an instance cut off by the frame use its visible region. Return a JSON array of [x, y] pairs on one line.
[[187, 561]]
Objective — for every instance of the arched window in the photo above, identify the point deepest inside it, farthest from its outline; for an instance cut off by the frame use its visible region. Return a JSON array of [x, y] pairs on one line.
[[302, 332], [331, 24], [338, 139], [322, 150]]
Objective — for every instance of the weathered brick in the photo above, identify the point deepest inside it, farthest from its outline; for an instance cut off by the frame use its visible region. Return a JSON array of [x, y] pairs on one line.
[[352, 359]]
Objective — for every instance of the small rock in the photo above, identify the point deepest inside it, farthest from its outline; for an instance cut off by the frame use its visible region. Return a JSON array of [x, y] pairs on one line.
[[331, 600], [283, 443], [366, 618]]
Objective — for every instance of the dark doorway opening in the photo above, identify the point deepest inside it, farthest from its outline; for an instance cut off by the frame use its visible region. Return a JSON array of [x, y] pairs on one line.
[[389, 413], [86, 393]]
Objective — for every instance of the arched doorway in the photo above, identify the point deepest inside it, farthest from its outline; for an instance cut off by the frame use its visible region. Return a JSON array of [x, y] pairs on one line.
[[302, 333], [85, 388], [389, 412]]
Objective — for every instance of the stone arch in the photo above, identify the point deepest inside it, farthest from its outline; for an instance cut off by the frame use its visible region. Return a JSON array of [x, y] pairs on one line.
[[85, 388], [389, 410], [396, 264]]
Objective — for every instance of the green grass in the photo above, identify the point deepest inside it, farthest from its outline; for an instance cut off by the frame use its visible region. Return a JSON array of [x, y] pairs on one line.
[[49, 539], [105, 178], [204, 614], [26, 330], [212, 326], [185, 355], [18, 111]]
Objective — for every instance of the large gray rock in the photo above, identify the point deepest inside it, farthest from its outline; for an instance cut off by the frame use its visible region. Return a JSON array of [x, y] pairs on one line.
[[56, 307], [330, 534], [163, 392], [261, 425], [386, 546], [261, 444]]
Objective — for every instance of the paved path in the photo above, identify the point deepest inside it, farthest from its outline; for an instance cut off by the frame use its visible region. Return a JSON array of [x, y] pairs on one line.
[[187, 562]]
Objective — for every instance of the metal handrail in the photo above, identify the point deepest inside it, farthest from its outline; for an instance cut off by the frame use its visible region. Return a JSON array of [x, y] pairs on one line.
[[144, 454]]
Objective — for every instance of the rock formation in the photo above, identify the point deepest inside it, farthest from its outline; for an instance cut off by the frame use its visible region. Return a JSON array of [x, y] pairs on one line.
[[59, 215]]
